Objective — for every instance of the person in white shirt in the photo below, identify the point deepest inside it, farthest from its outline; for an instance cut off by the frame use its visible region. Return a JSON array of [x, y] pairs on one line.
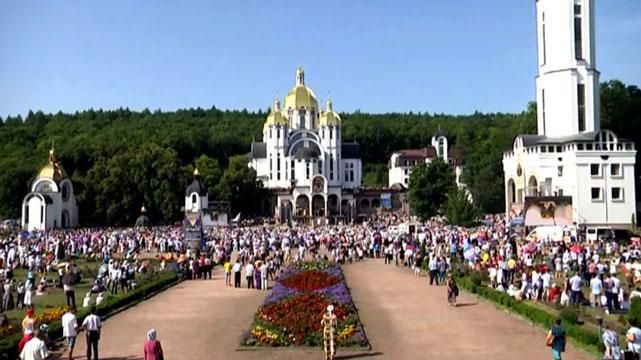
[[575, 289], [34, 349], [92, 326], [263, 276], [249, 275], [236, 270], [596, 288], [69, 329]]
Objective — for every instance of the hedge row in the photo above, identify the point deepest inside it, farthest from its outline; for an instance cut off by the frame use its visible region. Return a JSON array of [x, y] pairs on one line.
[[9, 344], [583, 335]]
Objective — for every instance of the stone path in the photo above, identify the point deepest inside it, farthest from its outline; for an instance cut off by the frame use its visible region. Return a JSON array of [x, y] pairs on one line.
[[403, 317]]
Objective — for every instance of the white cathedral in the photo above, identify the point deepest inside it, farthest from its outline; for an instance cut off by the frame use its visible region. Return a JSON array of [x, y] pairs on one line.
[[571, 171], [303, 161], [51, 204]]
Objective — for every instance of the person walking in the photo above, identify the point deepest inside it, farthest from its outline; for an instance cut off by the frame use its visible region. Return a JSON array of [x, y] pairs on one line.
[[236, 270], [329, 323], [70, 329], [556, 340], [70, 294], [34, 349], [92, 326], [611, 344], [152, 348], [452, 290]]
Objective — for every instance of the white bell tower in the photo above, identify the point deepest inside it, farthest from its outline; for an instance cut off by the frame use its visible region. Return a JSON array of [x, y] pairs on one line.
[[567, 84]]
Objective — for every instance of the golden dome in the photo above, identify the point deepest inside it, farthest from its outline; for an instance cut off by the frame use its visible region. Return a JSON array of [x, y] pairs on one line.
[[53, 170], [276, 117], [300, 95], [329, 117]]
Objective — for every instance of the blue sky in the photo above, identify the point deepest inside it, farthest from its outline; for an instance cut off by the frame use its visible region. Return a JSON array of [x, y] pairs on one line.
[[453, 56]]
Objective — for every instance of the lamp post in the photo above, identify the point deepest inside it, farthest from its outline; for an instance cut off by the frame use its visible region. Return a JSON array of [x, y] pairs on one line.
[[605, 184]]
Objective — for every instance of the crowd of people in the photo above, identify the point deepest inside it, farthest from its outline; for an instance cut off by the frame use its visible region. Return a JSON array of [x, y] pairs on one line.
[[575, 272]]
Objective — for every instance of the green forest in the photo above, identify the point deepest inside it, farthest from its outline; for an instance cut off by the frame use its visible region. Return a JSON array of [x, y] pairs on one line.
[[122, 159]]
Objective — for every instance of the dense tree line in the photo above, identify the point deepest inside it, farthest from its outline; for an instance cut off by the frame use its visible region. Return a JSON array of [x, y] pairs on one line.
[[121, 159]]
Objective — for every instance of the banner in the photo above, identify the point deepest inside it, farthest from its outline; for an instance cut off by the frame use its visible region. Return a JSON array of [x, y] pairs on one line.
[[386, 201], [548, 210]]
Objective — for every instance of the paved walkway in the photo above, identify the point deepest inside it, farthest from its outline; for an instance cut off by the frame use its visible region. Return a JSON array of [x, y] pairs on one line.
[[403, 319]]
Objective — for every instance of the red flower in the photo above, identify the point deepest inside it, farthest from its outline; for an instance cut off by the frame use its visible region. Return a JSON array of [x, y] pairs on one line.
[[310, 280]]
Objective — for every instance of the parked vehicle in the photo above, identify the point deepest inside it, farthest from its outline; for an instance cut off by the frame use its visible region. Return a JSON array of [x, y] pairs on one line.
[[600, 233]]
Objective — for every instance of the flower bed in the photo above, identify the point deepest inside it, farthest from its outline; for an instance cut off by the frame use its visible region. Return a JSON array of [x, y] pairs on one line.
[[291, 314]]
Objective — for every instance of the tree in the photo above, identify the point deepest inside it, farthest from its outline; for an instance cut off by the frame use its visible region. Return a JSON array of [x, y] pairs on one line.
[[428, 187], [240, 187], [458, 208]]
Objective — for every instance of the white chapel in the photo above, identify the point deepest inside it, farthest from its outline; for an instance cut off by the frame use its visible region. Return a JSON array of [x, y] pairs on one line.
[[571, 171], [51, 204]]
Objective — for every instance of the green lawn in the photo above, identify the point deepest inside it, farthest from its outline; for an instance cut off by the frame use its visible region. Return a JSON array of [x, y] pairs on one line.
[[55, 296]]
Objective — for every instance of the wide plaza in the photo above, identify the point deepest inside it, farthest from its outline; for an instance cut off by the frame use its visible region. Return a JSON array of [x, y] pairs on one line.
[[403, 317]]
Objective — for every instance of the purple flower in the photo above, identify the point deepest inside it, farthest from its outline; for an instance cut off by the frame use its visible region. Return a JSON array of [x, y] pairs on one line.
[[337, 292], [279, 291]]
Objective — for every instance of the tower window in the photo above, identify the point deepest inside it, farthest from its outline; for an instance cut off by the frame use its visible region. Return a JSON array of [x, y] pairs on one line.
[[578, 36], [307, 169], [320, 167], [580, 94], [596, 193], [278, 167]]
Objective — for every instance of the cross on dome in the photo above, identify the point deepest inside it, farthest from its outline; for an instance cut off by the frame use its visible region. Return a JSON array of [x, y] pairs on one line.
[[300, 76]]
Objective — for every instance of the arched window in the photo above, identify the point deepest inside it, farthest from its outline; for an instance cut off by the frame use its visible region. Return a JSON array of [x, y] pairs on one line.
[[194, 199]]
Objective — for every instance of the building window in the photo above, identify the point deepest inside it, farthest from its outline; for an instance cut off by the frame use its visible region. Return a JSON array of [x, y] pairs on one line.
[[293, 165], [617, 194], [270, 132], [580, 93], [407, 171], [405, 181], [320, 167], [560, 171], [578, 38], [579, 146], [194, 199], [278, 132], [559, 149], [331, 167], [331, 134], [615, 170], [307, 169], [278, 167], [560, 192], [596, 193], [595, 169], [42, 214], [349, 172], [271, 169]]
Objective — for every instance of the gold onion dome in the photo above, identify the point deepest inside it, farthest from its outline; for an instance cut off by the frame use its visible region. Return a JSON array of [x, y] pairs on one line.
[[300, 95], [329, 117], [276, 117], [53, 170]]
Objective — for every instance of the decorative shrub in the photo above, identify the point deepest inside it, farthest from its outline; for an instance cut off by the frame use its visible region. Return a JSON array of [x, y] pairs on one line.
[[569, 315]]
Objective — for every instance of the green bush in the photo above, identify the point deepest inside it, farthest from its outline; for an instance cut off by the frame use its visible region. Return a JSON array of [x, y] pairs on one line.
[[9, 344], [581, 334], [634, 315], [569, 315]]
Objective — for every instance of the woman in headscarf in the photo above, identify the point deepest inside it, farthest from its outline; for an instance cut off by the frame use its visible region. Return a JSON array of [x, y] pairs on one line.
[[452, 290], [152, 348], [329, 324]]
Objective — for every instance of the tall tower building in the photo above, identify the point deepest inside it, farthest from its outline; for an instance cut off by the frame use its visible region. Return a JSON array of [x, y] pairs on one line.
[[567, 83], [572, 171]]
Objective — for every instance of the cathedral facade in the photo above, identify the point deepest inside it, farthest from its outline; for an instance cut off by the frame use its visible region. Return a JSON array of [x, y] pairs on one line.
[[571, 171], [302, 160]]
